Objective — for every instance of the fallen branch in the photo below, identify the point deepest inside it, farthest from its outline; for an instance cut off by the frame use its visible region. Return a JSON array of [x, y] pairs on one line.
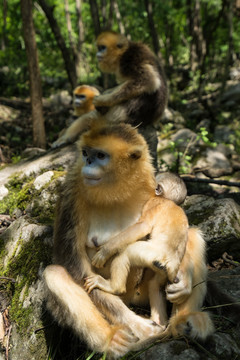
[[15, 104], [228, 259], [210, 181]]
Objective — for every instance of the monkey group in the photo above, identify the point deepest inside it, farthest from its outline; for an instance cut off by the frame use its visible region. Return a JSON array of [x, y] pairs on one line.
[[139, 99], [120, 236]]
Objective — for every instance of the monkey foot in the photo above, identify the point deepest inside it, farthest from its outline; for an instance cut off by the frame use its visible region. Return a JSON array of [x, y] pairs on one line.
[[121, 343], [194, 325], [146, 328]]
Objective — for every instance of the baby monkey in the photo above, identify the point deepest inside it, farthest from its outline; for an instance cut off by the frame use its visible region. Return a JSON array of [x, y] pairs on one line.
[[163, 228]]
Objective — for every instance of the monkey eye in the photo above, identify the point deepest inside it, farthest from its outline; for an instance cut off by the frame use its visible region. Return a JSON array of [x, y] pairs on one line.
[[84, 152], [101, 155], [101, 47], [80, 96]]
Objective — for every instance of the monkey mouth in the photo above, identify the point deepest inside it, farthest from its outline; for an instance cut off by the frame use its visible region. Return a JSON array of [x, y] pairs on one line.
[[91, 180]]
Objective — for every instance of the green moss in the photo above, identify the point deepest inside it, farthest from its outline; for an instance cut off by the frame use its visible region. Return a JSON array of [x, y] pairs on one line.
[[22, 192], [19, 194], [24, 269], [197, 218]]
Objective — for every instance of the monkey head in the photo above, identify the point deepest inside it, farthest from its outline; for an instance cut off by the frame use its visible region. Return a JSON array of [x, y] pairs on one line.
[[171, 186], [82, 99], [114, 161], [111, 46]]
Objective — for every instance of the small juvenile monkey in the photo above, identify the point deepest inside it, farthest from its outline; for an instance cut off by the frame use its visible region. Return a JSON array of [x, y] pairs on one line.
[[171, 186], [165, 226], [83, 99], [139, 99], [162, 252]]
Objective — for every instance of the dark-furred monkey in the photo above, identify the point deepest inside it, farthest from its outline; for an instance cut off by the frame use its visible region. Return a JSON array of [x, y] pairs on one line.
[[139, 99], [103, 195]]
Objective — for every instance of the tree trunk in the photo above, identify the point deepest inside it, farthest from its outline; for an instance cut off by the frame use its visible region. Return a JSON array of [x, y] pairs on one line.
[[197, 45], [69, 24], [39, 138], [4, 28], [230, 54], [104, 12], [95, 17], [153, 32], [80, 30], [68, 56], [119, 18]]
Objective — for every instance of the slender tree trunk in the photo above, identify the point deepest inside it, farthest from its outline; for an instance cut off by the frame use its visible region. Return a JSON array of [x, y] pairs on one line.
[[104, 12], [119, 18], [152, 28], [110, 15], [69, 24], [197, 45], [68, 56], [39, 138], [230, 54], [80, 31], [4, 28], [95, 17]]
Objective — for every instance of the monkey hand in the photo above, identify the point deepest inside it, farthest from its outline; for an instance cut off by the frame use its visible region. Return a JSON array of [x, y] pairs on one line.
[[103, 100], [62, 141], [178, 291], [100, 258], [91, 282]]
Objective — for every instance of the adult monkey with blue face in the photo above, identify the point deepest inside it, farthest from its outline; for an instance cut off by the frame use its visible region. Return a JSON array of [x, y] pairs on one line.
[[139, 99], [103, 195]]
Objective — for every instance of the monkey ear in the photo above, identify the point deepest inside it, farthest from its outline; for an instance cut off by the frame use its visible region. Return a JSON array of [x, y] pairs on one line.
[[159, 190], [135, 154]]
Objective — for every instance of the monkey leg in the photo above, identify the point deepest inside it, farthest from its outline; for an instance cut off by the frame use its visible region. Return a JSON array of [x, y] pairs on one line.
[[157, 301], [116, 312], [71, 305], [141, 253], [187, 318]]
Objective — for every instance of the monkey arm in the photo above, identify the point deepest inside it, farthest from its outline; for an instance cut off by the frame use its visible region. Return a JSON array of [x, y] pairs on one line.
[[121, 93], [148, 82], [75, 129], [119, 242]]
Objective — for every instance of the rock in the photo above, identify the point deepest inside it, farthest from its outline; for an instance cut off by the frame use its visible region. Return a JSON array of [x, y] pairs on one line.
[[233, 93], [174, 117], [172, 350], [219, 221], [223, 134], [27, 248], [3, 191], [43, 179]]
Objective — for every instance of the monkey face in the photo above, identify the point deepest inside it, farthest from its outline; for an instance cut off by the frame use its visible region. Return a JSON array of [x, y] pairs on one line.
[[95, 162], [79, 99], [102, 49], [110, 46]]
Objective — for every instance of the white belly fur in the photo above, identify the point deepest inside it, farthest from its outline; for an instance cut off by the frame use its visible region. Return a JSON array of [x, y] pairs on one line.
[[105, 225]]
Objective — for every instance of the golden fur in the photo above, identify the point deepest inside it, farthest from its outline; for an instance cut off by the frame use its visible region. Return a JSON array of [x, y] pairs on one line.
[[87, 217], [141, 96], [84, 104]]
